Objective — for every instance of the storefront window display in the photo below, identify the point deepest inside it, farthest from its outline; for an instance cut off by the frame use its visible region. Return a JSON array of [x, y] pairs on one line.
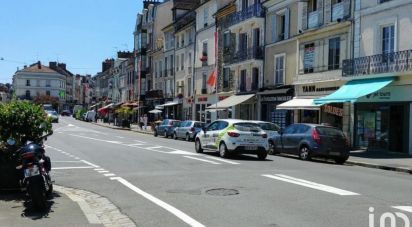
[[332, 114]]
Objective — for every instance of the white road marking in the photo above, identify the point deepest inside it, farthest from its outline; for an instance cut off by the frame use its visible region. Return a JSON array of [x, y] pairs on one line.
[[134, 144], [183, 152], [116, 142], [72, 167], [103, 171], [310, 184], [203, 160], [89, 163], [139, 141], [109, 174], [120, 137], [404, 208], [100, 169], [221, 159], [182, 216], [66, 161]]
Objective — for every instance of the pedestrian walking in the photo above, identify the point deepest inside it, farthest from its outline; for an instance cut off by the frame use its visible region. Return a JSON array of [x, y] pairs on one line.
[[145, 121], [141, 122]]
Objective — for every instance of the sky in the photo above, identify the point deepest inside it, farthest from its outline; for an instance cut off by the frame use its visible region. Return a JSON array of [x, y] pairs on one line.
[[80, 33]]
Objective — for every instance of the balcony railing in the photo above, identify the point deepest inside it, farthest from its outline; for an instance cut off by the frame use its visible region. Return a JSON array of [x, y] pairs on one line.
[[255, 10], [244, 55], [313, 19], [400, 61]]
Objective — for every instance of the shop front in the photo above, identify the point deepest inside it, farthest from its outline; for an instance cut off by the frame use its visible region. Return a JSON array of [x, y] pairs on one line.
[[201, 113], [235, 106], [382, 120], [269, 100]]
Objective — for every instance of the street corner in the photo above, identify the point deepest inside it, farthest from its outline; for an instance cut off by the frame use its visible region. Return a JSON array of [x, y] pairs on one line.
[[97, 209]]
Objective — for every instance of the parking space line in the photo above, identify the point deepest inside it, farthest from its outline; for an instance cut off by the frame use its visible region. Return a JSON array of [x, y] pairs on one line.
[[203, 160], [310, 184], [67, 161], [221, 160], [404, 208], [89, 163], [72, 167], [109, 174]]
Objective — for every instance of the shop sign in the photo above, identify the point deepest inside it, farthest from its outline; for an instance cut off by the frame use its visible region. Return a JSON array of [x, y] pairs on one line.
[[314, 88], [380, 95], [389, 94], [333, 110], [276, 98]]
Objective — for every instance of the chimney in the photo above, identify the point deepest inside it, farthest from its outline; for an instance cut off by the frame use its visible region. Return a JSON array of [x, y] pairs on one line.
[[53, 65], [39, 65], [62, 66]]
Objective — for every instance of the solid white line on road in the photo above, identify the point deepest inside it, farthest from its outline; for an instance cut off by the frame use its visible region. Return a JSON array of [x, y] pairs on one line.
[[310, 184], [89, 163], [103, 171], [115, 142], [182, 216], [221, 159], [134, 144], [182, 152], [109, 174], [72, 167], [100, 169], [203, 160], [404, 208]]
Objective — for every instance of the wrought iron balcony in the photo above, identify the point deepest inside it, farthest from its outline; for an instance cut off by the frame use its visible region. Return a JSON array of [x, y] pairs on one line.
[[244, 55], [400, 61], [255, 10]]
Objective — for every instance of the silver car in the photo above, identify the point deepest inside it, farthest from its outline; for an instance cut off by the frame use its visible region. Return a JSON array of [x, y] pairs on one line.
[[188, 130], [53, 116], [271, 130]]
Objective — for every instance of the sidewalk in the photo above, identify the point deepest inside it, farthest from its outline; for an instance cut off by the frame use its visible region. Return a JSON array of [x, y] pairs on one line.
[[68, 207], [382, 160], [133, 127]]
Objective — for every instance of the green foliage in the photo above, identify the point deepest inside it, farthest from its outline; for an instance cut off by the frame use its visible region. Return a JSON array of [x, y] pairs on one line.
[[79, 113], [124, 112], [22, 121]]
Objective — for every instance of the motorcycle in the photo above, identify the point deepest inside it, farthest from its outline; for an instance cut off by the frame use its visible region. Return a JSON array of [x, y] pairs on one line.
[[35, 166]]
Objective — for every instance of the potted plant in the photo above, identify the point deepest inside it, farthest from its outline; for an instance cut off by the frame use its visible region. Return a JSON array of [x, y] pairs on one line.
[[124, 113]]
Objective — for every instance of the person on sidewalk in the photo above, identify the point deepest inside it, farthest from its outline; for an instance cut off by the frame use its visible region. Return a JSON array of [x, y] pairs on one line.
[[141, 122], [145, 122]]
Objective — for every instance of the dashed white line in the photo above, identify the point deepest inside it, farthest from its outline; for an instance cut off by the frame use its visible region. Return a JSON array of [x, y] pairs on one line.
[[310, 184], [182, 216], [120, 137], [66, 161], [203, 160], [139, 141], [134, 144], [221, 160], [403, 208], [72, 167], [109, 174], [99, 169], [103, 171]]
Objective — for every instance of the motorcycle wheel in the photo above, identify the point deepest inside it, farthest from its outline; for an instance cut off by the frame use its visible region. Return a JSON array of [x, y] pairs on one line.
[[38, 196]]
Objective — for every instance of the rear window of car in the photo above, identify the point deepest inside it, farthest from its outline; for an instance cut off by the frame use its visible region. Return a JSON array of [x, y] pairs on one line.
[[328, 131], [247, 127], [269, 126]]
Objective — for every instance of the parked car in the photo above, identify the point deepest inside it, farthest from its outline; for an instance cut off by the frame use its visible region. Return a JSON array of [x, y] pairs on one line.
[[166, 128], [90, 115], [188, 130], [232, 136], [271, 129], [53, 115], [65, 113], [312, 140]]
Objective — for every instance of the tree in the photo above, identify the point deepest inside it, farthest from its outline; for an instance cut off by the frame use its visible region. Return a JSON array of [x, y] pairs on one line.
[[47, 99]]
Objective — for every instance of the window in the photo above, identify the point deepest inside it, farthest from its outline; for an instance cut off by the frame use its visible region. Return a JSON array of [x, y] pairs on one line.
[[182, 62], [309, 58], [388, 39], [38, 83], [243, 80], [204, 81], [204, 50], [290, 130], [226, 74], [47, 83], [48, 93], [245, 4], [205, 16], [177, 63], [27, 94], [242, 41], [226, 40], [255, 78], [222, 125], [334, 54], [189, 86], [27, 82], [383, 1], [214, 126], [256, 37], [282, 27], [313, 5], [279, 69], [166, 67]]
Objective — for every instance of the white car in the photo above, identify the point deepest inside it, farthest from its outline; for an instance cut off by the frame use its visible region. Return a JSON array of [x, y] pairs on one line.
[[272, 130], [229, 136]]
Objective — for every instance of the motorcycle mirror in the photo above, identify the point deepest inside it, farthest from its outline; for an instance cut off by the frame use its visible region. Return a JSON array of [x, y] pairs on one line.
[[11, 142]]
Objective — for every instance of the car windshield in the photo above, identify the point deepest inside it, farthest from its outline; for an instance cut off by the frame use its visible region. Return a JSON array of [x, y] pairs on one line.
[[247, 127], [329, 131], [269, 126]]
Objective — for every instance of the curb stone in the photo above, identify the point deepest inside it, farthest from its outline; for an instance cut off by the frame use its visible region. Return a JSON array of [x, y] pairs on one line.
[[380, 166], [124, 129], [97, 209]]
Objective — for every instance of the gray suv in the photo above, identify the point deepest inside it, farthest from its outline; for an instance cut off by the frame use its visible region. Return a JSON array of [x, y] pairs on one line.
[[188, 130]]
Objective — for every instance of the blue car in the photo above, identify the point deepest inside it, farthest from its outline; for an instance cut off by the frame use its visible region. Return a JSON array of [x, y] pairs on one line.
[[312, 140]]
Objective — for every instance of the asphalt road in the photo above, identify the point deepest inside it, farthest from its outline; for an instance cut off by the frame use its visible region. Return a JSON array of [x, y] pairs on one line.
[[163, 182]]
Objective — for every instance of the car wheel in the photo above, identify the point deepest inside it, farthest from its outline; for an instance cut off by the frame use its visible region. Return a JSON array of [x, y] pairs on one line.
[[198, 146], [223, 150], [174, 136], [272, 149], [340, 161], [155, 133], [304, 153], [187, 137], [262, 155]]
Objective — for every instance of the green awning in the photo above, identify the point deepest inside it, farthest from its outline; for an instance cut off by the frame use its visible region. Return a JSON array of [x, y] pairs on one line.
[[355, 89]]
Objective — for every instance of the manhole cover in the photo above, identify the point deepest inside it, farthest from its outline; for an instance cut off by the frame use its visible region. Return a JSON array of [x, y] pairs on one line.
[[222, 192]]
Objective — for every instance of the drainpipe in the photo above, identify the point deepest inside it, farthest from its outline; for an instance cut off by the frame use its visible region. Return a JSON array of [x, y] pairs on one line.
[[193, 76]]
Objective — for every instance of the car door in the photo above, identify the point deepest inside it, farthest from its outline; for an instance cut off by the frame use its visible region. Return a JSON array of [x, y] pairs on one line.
[[286, 138], [210, 131], [298, 135], [162, 127]]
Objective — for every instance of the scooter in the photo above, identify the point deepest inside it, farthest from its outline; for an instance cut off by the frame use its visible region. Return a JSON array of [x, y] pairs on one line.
[[35, 166]]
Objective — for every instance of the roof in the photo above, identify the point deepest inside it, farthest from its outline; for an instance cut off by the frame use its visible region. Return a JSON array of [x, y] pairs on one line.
[[36, 69]]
